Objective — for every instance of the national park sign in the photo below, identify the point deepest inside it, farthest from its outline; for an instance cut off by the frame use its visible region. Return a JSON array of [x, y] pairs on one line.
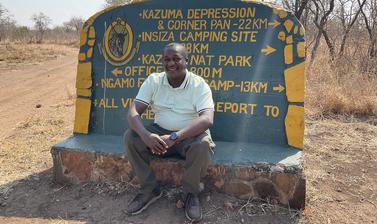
[[250, 53]]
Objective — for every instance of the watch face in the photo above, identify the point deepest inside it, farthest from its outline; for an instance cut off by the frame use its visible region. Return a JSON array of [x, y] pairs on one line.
[[173, 136]]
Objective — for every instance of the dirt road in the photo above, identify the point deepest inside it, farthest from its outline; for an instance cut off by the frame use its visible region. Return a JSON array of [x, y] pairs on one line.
[[25, 87], [340, 162], [27, 193]]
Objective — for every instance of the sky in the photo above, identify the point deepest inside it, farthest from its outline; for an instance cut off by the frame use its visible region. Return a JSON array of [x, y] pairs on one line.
[[58, 11]]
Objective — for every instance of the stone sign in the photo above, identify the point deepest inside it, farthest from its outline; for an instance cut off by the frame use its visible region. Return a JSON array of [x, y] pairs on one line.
[[251, 54]]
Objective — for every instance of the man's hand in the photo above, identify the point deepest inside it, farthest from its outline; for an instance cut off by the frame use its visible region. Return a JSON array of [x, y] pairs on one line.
[[168, 141], [155, 143]]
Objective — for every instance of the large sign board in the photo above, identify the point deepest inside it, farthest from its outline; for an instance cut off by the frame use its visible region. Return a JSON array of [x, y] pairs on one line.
[[250, 53]]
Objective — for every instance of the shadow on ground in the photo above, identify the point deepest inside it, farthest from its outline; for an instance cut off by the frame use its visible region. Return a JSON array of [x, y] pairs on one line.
[[37, 197]]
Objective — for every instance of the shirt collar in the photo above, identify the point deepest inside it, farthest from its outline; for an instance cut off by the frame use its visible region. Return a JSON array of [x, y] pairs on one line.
[[184, 83]]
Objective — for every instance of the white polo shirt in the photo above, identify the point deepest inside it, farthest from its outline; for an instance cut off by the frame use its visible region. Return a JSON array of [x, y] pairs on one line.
[[175, 108]]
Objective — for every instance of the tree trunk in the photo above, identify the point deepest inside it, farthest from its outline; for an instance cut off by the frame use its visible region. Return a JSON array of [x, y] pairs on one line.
[[372, 50], [329, 45], [348, 28], [315, 47], [301, 8]]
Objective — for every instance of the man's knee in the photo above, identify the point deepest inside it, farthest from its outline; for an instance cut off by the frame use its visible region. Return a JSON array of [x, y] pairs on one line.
[[201, 148]]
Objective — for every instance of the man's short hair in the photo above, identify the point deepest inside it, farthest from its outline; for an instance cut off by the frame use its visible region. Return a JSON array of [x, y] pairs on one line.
[[179, 46]]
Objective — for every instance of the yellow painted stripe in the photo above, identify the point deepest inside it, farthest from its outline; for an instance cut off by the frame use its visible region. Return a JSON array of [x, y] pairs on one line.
[[89, 54], [280, 12], [82, 57], [83, 36], [289, 39], [84, 75], [281, 36], [92, 32], [91, 42], [82, 116], [294, 126], [288, 54], [301, 49], [288, 24], [84, 92], [295, 83], [302, 31]]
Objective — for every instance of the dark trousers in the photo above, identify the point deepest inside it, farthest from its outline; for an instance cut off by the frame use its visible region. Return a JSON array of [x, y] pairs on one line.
[[196, 152]]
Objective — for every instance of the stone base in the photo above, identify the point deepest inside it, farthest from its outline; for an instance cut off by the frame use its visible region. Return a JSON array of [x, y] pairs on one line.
[[282, 181]]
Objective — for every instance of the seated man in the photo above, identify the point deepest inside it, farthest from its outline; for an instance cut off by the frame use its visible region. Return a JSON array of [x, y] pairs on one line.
[[183, 107]]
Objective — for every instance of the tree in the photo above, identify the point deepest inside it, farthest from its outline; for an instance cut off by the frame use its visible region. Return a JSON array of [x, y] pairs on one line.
[[322, 11], [116, 2], [296, 6], [6, 22], [75, 24], [369, 15], [348, 15], [41, 22], [22, 33]]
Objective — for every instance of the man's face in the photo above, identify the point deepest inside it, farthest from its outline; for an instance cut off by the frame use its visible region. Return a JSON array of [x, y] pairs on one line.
[[174, 62]]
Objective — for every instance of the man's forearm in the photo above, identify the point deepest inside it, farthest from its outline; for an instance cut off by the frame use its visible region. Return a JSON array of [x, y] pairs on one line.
[[134, 121], [197, 126]]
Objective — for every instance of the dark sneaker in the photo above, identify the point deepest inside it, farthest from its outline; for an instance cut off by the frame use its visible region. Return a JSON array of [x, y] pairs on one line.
[[192, 208], [142, 201]]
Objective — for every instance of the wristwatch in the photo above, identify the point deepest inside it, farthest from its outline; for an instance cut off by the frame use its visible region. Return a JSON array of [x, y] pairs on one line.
[[173, 136]]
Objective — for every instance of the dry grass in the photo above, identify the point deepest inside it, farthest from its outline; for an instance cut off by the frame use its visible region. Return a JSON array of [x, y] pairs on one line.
[[339, 166], [43, 128], [14, 54], [340, 158], [346, 86]]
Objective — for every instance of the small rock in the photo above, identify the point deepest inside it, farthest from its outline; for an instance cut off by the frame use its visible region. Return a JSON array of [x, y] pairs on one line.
[[201, 186], [230, 205], [3, 204], [38, 105], [274, 201], [208, 198], [278, 169], [219, 183], [180, 204]]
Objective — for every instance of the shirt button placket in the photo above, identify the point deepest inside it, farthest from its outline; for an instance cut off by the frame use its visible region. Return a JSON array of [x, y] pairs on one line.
[[173, 99]]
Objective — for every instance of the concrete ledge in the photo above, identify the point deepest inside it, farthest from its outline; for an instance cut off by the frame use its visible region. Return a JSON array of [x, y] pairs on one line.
[[242, 170]]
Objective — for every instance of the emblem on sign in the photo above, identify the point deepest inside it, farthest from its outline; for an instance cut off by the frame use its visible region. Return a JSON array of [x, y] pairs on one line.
[[118, 44]]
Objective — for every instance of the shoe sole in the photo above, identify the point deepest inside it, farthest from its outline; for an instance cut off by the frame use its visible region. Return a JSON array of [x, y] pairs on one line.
[[147, 205], [193, 220]]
